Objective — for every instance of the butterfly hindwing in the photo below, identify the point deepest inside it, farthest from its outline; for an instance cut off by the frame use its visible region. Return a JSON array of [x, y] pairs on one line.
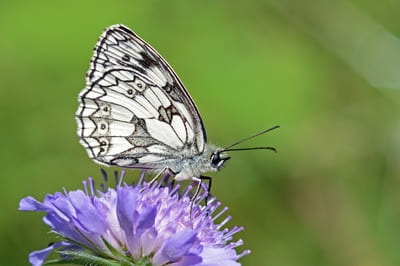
[[134, 111]]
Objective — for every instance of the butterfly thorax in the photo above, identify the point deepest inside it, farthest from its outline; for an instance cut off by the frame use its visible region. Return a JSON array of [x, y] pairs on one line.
[[193, 166]]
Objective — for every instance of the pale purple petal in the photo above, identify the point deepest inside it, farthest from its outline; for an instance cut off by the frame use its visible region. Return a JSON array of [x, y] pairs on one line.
[[30, 204], [62, 205], [145, 219], [213, 256], [37, 258], [86, 213], [175, 247], [63, 227], [126, 206], [148, 241], [188, 260]]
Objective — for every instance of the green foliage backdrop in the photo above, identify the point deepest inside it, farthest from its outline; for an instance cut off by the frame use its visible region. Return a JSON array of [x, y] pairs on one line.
[[330, 196]]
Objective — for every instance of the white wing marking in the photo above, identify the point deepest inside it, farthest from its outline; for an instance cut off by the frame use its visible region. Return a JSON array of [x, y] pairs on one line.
[[158, 149], [152, 98], [179, 127], [182, 109], [119, 112], [163, 132], [161, 96], [190, 133], [92, 94], [159, 77], [118, 145], [129, 103], [118, 128], [125, 162], [86, 126], [123, 75], [92, 146], [96, 127], [150, 158], [147, 105], [89, 108], [96, 109]]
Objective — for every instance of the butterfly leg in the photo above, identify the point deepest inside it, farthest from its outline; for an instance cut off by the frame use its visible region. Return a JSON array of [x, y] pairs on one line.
[[201, 180], [209, 179], [164, 170]]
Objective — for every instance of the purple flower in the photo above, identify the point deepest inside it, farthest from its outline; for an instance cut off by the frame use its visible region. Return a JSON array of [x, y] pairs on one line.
[[135, 225]]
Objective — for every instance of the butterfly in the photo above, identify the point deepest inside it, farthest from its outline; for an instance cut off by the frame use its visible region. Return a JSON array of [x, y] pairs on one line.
[[136, 113]]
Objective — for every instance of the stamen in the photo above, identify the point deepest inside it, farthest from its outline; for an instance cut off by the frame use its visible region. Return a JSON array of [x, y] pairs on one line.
[[84, 183], [235, 244], [234, 230], [91, 185], [116, 178], [200, 198], [187, 190], [121, 178], [141, 177], [104, 173], [227, 219], [154, 185], [246, 252], [211, 207], [220, 213], [174, 189]]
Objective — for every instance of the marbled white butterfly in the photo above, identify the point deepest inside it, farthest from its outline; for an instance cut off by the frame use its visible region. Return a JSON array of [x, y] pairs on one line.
[[135, 112]]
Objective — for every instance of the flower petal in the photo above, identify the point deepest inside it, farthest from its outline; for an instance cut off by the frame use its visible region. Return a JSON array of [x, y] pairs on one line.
[[88, 217], [145, 219], [148, 240], [176, 247], [30, 204], [213, 256], [127, 198], [188, 260], [62, 205], [126, 206], [64, 228], [36, 258]]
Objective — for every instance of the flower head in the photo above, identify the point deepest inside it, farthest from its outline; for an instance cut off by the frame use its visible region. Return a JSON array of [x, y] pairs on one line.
[[135, 225]]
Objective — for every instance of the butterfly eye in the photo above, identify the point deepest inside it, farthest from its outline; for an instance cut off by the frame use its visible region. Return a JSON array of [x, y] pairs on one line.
[[215, 160]]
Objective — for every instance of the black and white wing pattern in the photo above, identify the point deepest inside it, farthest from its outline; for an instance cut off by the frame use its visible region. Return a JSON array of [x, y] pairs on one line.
[[134, 111]]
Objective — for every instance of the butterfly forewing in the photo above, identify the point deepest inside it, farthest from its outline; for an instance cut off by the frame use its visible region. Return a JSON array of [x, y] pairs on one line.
[[134, 111]]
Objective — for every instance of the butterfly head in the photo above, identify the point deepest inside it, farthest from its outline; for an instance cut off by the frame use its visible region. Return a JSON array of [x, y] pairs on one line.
[[219, 156], [218, 159]]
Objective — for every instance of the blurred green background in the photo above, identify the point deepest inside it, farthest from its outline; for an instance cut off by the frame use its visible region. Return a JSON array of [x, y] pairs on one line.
[[326, 71]]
